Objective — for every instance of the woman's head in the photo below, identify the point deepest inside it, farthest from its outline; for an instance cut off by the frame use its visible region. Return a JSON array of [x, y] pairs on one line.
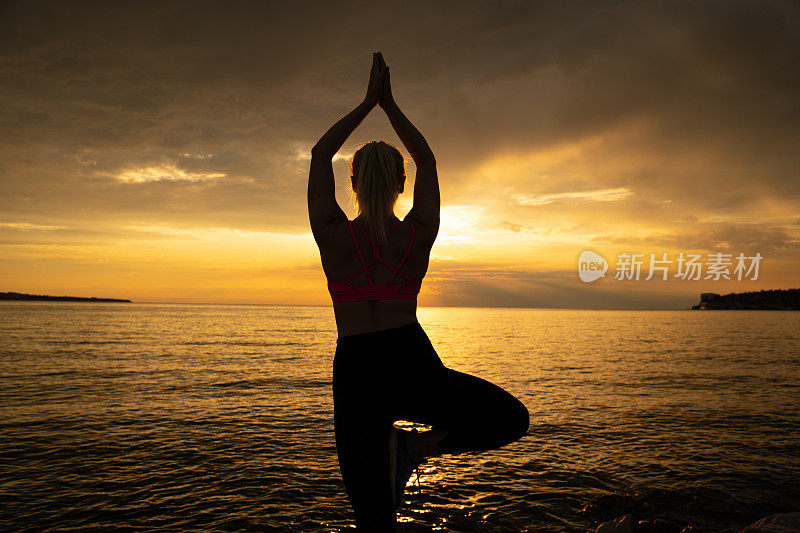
[[378, 175]]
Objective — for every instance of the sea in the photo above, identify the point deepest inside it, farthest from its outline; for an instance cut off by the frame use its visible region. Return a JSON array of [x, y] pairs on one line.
[[191, 417]]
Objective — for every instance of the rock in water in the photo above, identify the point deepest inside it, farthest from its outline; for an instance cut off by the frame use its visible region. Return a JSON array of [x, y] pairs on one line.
[[777, 523], [623, 524]]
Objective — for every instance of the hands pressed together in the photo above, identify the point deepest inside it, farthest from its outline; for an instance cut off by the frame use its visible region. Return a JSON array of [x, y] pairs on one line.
[[321, 184], [379, 90]]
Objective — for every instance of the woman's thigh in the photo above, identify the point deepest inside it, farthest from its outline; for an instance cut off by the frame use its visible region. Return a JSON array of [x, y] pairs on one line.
[[477, 414]]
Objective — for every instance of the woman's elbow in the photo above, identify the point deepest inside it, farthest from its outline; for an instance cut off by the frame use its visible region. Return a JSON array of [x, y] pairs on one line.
[[320, 152], [425, 159]]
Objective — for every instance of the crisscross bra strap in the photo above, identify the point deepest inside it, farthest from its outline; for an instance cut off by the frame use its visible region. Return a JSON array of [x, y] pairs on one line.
[[360, 255], [403, 259], [376, 256]]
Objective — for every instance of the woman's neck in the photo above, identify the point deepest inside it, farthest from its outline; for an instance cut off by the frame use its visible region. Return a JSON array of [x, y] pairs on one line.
[[393, 218]]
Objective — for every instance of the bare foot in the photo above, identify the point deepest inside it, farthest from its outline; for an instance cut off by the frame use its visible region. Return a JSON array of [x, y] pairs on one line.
[[425, 444]]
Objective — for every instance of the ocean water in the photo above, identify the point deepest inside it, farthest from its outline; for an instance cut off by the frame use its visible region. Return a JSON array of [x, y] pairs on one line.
[[217, 418]]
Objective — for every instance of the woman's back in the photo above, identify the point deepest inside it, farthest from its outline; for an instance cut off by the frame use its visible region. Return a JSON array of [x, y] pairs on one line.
[[356, 265]]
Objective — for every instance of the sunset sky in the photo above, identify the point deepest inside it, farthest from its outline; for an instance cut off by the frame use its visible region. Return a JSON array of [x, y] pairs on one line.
[[160, 151]]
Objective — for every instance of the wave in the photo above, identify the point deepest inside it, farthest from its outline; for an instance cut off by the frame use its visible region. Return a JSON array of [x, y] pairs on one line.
[[301, 383], [239, 343]]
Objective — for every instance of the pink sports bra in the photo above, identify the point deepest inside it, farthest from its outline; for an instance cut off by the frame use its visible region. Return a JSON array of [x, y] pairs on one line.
[[344, 291]]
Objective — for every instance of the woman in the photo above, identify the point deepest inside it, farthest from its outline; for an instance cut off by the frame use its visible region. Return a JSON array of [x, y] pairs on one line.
[[385, 368]]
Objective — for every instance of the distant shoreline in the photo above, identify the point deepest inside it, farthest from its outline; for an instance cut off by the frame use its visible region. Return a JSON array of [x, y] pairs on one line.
[[774, 300], [781, 299], [22, 296]]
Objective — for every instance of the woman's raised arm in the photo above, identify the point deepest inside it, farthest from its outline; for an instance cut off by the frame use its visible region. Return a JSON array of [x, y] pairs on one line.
[[323, 210], [426, 184]]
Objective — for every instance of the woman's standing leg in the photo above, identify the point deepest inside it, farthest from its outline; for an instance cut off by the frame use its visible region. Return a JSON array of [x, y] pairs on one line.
[[364, 464], [363, 426]]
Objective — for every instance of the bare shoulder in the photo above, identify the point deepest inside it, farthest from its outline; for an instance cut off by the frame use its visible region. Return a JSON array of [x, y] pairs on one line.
[[426, 225], [332, 239]]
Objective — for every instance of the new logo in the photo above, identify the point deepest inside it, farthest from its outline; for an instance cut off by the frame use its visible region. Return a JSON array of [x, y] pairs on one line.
[[591, 266]]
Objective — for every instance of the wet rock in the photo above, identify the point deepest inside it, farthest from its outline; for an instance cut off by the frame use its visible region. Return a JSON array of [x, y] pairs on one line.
[[629, 524], [656, 526], [609, 505], [623, 524], [777, 523]]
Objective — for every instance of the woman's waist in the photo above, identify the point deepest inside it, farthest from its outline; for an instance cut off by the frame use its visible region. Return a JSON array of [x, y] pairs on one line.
[[402, 331], [398, 353], [353, 318]]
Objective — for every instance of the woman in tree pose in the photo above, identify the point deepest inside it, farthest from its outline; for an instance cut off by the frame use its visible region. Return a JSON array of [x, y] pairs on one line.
[[385, 368]]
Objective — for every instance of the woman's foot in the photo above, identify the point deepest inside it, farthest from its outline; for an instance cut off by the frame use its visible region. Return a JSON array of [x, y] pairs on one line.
[[426, 443], [402, 461]]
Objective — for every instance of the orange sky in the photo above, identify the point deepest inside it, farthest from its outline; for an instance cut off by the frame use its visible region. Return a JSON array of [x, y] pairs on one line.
[[161, 153]]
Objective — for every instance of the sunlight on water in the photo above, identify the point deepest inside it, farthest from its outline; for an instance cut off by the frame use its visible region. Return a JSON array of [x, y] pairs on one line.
[[220, 417]]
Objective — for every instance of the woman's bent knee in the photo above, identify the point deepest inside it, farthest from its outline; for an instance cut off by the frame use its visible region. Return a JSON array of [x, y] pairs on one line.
[[520, 421]]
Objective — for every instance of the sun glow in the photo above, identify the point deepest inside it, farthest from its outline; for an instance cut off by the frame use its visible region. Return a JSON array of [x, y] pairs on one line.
[[165, 173], [602, 195]]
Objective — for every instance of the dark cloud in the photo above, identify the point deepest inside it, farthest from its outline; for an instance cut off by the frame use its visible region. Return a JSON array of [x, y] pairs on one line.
[[720, 237], [565, 292], [251, 82]]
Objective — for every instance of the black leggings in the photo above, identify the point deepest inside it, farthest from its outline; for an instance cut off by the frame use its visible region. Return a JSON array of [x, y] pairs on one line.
[[395, 374]]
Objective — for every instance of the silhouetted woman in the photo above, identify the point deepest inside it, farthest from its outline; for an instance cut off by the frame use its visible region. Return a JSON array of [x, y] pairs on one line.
[[385, 368]]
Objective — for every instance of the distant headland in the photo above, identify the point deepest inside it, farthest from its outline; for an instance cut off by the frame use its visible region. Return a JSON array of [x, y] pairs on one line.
[[21, 296], [780, 299]]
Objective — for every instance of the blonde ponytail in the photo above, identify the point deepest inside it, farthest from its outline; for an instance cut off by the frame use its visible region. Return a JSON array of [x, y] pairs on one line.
[[378, 172]]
